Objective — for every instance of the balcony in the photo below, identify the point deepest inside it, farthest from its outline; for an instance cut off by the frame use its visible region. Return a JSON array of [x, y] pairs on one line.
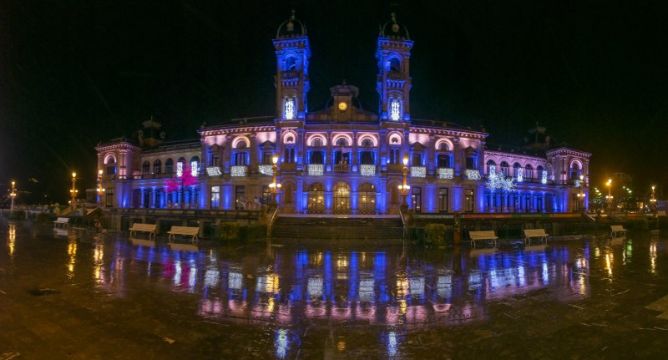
[[367, 170], [472, 174], [418, 171], [239, 170], [446, 173], [341, 168], [265, 169], [316, 169], [214, 171]]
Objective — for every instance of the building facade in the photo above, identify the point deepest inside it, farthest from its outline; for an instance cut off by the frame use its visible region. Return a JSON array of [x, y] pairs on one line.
[[341, 159]]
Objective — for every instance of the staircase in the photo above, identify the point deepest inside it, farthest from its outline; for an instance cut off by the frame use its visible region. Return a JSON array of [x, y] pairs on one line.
[[337, 228]]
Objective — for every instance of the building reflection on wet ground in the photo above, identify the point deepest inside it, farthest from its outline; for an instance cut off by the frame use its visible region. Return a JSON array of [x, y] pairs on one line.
[[314, 302]]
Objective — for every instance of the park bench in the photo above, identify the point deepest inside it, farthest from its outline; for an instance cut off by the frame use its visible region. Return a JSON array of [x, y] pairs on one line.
[[183, 231], [483, 235], [61, 223], [147, 228], [534, 233], [616, 230]]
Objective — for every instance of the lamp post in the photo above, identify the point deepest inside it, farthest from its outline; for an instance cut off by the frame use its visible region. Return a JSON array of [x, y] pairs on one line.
[[609, 197], [404, 187], [274, 186], [12, 196], [581, 195], [74, 191], [100, 190], [652, 199]]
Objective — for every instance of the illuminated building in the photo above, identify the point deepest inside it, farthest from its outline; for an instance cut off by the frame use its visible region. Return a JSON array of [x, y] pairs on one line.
[[341, 159]]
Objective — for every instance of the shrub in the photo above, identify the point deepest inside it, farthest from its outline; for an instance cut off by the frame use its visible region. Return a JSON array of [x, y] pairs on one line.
[[434, 234], [229, 231]]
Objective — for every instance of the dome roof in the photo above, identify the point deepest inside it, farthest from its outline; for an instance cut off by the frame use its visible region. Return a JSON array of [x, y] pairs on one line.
[[392, 29], [291, 28]]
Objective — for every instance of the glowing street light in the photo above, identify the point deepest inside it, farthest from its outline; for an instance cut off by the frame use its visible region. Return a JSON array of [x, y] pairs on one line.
[[652, 199], [100, 190], [274, 186], [404, 187], [581, 194], [74, 191], [12, 195], [609, 197]]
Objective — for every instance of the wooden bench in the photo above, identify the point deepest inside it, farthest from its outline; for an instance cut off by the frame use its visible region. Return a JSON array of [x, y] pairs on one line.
[[183, 231], [61, 223], [534, 233], [483, 235], [616, 230], [147, 228]]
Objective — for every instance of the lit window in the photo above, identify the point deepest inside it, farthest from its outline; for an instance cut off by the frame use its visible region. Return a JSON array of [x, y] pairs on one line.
[[395, 109], [543, 178], [179, 169], [215, 196], [289, 109], [194, 168]]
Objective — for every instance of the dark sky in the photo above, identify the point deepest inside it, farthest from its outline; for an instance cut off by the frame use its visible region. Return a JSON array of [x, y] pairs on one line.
[[72, 73]]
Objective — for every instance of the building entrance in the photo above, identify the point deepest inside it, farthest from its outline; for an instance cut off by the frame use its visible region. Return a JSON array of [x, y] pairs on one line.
[[341, 198]]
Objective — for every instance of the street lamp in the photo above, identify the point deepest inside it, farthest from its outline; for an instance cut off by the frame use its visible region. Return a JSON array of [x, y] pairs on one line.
[[100, 190], [652, 199], [609, 197], [404, 187], [12, 195], [74, 191], [274, 186], [581, 194]]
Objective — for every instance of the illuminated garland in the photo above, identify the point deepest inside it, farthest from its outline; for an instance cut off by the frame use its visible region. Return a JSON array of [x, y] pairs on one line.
[[496, 181]]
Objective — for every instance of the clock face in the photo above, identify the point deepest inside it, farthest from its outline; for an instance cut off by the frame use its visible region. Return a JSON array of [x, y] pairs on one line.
[[343, 106]]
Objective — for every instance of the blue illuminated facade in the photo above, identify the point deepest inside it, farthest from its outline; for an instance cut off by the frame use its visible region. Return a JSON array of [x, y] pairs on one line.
[[341, 159]]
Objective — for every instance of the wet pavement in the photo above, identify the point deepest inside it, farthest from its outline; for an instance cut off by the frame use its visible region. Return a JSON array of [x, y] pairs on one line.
[[110, 297]]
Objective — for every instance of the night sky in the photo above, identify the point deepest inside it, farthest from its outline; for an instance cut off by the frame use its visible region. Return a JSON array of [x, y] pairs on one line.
[[73, 73]]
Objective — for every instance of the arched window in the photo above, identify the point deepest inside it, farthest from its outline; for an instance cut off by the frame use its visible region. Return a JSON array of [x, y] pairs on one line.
[[443, 160], [289, 155], [289, 108], [471, 159], [395, 65], [110, 166], [342, 142], [518, 172], [157, 167], [505, 169], [317, 142], [194, 166], [180, 164], [395, 109], [542, 174], [290, 63], [169, 166], [528, 172], [367, 143], [317, 157], [214, 155], [491, 167], [576, 171], [146, 167], [289, 139]]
